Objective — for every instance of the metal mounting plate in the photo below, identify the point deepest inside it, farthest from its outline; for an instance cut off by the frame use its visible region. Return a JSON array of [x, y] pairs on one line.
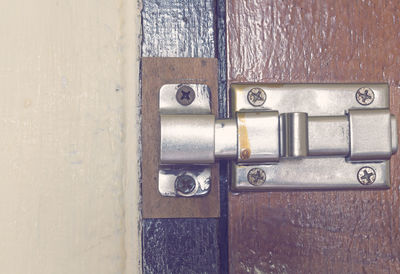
[[311, 172], [157, 72], [170, 105], [305, 174], [199, 102], [314, 99]]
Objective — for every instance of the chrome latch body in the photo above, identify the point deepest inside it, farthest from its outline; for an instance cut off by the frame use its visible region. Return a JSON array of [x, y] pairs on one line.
[[187, 140], [295, 136]]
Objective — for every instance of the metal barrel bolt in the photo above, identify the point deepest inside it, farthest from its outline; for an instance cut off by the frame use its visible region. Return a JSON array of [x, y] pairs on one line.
[[276, 132]]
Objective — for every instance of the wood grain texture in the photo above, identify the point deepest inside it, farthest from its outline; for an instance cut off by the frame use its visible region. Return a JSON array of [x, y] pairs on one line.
[[178, 28], [69, 75], [157, 72], [316, 41], [188, 246]]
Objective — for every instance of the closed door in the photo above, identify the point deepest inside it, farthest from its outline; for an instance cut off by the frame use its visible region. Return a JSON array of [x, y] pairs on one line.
[[307, 42]]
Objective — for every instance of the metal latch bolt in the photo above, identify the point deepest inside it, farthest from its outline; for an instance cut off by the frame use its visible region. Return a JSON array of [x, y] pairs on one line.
[[279, 137]]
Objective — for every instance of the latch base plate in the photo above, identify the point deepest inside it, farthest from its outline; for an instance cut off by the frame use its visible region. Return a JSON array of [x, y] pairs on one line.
[[311, 172]]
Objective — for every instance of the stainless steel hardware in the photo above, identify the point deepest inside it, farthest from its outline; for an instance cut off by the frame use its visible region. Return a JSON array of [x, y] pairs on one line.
[[297, 136], [187, 140]]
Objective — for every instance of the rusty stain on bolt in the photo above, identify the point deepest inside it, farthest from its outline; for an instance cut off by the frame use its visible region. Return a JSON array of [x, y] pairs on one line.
[[245, 154]]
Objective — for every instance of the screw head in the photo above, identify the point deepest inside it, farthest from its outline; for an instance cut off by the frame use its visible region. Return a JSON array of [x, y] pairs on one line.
[[365, 96], [185, 95], [256, 97], [185, 185], [366, 175], [256, 176]]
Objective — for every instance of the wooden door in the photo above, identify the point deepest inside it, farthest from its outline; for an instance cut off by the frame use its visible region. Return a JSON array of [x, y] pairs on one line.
[[315, 42]]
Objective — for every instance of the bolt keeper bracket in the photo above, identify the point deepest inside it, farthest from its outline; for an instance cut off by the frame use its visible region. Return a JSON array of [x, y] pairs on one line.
[[279, 137]]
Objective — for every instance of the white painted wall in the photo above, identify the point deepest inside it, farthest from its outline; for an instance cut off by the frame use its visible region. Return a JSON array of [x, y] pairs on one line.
[[68, 141]]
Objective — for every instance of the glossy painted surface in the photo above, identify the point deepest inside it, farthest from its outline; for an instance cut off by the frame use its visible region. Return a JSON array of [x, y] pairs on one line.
[[178, 28], [180, 246], [315, 41]]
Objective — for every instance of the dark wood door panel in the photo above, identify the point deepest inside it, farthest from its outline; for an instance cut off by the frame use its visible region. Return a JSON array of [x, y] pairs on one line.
[[316, 41]]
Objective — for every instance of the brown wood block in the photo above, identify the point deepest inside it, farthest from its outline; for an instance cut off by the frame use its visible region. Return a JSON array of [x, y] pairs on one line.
[[155, 73], [316, 41]]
